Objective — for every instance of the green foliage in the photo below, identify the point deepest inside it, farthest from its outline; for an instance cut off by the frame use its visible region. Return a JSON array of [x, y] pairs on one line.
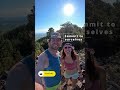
[[41, 44], [51, 30], [99, 11], [16, 44], [68, 27]]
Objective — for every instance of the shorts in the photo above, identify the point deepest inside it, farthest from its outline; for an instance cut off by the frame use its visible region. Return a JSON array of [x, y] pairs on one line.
[[73, 76], [54, 87]]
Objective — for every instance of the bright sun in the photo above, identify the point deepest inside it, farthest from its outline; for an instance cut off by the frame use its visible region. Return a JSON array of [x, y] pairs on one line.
[[68, 9]]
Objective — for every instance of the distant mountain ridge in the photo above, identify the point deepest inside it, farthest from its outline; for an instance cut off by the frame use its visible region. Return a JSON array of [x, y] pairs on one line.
[[39, 35], [9, 23]]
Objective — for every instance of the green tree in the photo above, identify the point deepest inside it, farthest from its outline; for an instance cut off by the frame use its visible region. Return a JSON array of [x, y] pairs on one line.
[[51, 30]]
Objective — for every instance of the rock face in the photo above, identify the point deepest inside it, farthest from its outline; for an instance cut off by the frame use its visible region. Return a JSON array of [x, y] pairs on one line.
[[112, 67]]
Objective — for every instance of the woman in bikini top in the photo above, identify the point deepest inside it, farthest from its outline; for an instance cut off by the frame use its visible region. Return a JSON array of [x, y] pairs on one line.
[[70, 66], [70, 63]]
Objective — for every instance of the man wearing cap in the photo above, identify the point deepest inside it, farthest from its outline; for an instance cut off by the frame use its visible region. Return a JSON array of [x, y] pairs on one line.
[[49, 61]]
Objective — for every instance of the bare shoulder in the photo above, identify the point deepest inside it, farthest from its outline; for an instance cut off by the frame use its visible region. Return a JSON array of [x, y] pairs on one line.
[[43, 59], [38, 86], [42, 56]]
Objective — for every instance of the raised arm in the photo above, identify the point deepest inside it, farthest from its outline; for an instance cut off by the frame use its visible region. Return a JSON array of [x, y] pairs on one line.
[[62, 66], [39, 67], [78, 62]]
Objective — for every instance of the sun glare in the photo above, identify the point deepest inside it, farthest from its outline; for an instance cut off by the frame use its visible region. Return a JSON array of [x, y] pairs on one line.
[[68, 9]]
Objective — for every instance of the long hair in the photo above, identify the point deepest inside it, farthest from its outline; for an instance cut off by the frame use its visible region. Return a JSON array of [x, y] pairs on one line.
[[73, 54], [91, 67]]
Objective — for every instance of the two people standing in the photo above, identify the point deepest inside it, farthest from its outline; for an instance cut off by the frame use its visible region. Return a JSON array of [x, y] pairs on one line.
[[50, 60]]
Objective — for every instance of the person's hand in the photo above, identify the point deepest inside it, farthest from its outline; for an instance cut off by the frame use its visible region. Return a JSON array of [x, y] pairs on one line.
[[39, 86]]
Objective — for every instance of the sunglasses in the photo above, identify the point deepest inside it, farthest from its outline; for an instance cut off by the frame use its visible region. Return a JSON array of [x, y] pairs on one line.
[[67, 47]]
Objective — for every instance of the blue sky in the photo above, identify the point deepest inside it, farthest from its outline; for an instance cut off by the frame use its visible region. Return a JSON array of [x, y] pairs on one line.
[[15, 8], [49, 13]]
